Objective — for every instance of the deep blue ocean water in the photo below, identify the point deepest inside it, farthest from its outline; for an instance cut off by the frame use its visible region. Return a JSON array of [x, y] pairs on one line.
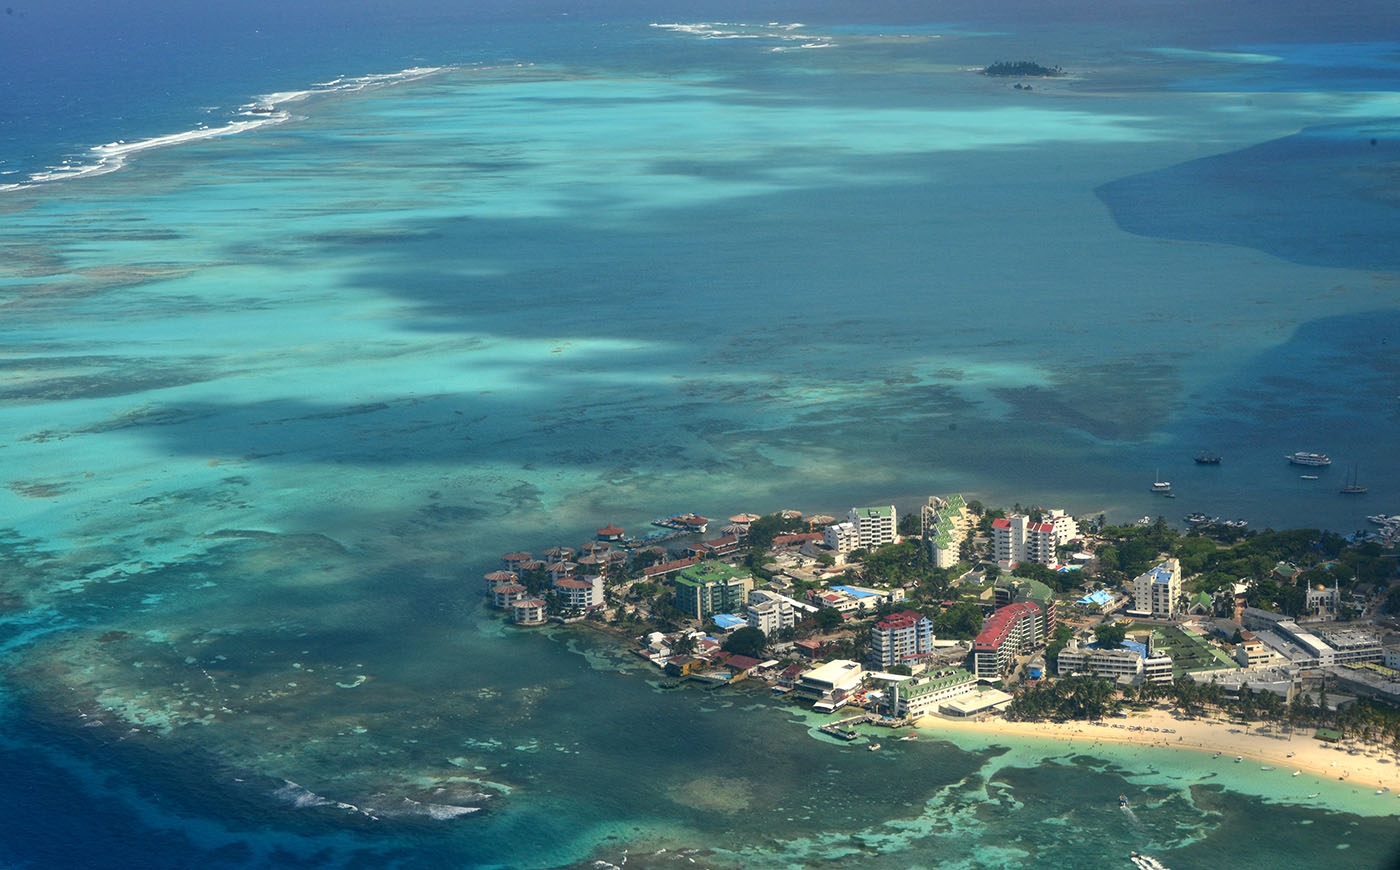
[[272, 402]]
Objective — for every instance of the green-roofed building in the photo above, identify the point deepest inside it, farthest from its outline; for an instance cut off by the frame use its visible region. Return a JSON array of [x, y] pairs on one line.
[[921, 695], [946, 524], [1201, 604], [707, 588], [1014, 590]]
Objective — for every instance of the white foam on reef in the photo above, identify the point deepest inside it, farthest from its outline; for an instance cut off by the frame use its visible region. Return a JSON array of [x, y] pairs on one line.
[[728, 30], [102, 159], [300, 797], [437, 812]]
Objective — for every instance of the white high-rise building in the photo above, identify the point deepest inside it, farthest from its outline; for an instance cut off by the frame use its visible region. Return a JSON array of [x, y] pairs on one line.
[[1158, 590], [875, 526], [946, 524], [840, 537], [1015, 539]]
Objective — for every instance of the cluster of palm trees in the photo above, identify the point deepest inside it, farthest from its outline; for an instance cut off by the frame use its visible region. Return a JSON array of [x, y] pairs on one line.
[[1079, 697], [1089, 697]]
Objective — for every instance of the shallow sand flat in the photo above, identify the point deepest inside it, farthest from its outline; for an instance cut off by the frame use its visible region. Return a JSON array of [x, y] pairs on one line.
[[1203, 735]]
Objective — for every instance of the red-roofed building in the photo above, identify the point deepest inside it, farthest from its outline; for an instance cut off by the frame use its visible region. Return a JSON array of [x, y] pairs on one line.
[[1012, 630], [741, 664], [1015, 539], [796, 540], [665, 568], [528, 611], [556, 570], [609, 532], [496, 578], [511, 561], [507, 594], [901, 638], [580, 593], [718, 547]]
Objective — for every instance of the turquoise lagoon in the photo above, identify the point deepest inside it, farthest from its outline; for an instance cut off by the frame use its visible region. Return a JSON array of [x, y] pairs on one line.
[[274, 401]]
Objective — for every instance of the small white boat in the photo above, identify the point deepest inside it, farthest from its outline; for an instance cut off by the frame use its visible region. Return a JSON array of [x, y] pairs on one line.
[[1266, 767], [873, 747], [1239, 758], [1297, 773], [1307, 477]]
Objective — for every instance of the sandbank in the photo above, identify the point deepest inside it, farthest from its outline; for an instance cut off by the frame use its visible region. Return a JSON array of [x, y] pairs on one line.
[[1273, 747]]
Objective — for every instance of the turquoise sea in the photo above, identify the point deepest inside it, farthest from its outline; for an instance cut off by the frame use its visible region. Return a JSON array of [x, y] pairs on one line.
[[272, 400]]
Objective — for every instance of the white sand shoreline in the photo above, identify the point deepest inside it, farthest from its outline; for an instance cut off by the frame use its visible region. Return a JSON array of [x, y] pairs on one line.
[[1302, 752]]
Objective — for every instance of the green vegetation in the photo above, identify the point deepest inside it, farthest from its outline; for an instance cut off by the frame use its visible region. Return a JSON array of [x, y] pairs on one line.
[[1068, 698], [1021, 68], [961, 621], [746, 641], [1110, 635], [828, 619], [763, 530]]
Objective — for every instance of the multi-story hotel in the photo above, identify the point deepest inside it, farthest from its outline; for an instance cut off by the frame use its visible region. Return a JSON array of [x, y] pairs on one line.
[[1010, 631], [946, 524], [1015, 539], [901, 638], [1158, 590]]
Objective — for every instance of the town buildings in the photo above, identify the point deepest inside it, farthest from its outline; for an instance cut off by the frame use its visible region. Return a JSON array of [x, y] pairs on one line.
[[771, 614], [1010, 631], [1326, 647], [946, 523], [830, 685], [865, 528], [901, 638], [921, 696], [1133, 664], [579, 593], [1016, 539], [1157, 592], [706, 588]]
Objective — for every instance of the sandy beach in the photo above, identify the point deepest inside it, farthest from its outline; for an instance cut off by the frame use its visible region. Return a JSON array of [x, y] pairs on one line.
[[1372, 768]]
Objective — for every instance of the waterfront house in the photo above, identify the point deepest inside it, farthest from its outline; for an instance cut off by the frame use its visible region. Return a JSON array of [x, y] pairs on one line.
[[580, 593], [831, 685], [921, 696], [528, 611], [496, 578], [506, 594], [609, 532], [512, 561]]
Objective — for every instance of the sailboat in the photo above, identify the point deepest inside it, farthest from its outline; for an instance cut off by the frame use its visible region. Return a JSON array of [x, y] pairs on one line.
[[1352, 487], [1161, 485]]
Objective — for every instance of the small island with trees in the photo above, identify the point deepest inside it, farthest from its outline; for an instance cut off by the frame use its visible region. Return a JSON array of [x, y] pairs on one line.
[[1021, 69]]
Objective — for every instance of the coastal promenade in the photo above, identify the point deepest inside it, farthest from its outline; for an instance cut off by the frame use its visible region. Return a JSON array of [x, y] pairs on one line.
[[1207, 735]]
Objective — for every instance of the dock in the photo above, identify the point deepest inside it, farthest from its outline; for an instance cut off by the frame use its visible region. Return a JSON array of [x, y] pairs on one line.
[[842, 729]]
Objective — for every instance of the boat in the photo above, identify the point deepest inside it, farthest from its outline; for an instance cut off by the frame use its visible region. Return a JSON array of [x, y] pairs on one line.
[[263, 110], [1303, 457], [1307, 477], [1146, 862], [1122, 800], [910, 737], [873, 747], [1204, 458], [1266, 767], [1297, 773], [1239, 758], [1352, 487], [1161, 485], [1315, 794]]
